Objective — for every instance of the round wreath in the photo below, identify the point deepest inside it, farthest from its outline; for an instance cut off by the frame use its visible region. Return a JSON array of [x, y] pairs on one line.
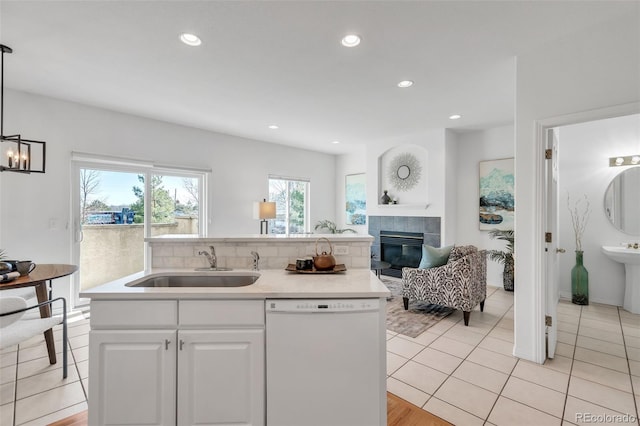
[[404, 171]]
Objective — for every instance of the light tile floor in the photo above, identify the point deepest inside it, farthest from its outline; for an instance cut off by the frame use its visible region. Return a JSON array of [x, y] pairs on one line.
[[465, 375], [468, 376], [32, 391]]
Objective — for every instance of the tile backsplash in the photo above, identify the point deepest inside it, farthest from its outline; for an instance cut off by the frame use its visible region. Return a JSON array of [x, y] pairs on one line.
[[237, 255]]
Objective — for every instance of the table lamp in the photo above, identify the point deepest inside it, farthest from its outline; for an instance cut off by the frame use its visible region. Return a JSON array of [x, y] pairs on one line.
[[265, 210]]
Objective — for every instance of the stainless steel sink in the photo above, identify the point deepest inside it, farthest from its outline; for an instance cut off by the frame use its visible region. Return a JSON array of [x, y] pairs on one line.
[[214, 269], [220, 280]]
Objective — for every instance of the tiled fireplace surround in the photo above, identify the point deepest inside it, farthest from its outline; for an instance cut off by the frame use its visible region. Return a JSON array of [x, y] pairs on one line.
[[429, 226]]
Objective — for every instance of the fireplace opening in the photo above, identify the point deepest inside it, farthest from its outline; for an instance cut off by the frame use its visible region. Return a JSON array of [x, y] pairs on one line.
[[400, 249]]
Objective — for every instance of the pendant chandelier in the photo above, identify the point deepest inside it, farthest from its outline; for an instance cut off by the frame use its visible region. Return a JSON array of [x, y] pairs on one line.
[[18, 154]]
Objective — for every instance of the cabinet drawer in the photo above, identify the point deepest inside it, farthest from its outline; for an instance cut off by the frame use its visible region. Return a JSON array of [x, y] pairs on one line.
[[221, 313], [134, 313]]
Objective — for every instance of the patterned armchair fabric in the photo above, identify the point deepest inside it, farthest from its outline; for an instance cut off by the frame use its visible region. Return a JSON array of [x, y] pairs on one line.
[[460, 284]]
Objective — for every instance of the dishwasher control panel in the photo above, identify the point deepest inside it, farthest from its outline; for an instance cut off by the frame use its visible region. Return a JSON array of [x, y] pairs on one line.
[[322, 305]]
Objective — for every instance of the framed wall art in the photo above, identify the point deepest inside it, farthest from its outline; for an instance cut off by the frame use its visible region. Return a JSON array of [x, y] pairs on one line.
[[356, 199], [497, 190]]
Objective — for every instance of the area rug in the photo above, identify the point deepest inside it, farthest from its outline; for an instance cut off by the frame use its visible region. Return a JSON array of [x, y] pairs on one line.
[[417, 319]]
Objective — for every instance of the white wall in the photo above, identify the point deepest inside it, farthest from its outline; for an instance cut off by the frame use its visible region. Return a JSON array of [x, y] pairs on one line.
[[474, 147], [595, 68], [450, 226], [584, 151], [433, 141], [348, 164], [35, 209]]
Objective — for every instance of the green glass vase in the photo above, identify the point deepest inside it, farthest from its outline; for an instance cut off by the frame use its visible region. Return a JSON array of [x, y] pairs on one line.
[[579, 282]]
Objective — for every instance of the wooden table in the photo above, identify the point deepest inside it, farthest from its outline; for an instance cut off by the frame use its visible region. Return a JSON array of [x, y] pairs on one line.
[[38, 279]]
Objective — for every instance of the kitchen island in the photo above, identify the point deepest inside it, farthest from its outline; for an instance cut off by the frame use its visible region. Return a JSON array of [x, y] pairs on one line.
[[290, 347]]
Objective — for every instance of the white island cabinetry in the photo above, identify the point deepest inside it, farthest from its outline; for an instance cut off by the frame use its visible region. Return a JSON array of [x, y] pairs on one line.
[[168, 362], [182, 355]]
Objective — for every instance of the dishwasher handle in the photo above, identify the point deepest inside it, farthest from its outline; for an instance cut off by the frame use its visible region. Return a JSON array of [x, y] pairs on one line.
[[322, 305]]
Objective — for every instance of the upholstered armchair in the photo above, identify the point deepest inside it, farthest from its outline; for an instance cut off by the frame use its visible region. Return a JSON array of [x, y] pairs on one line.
[[460, 284]]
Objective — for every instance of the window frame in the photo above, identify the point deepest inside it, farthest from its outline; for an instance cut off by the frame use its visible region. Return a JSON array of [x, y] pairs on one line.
[[81, 161], [307, 202]]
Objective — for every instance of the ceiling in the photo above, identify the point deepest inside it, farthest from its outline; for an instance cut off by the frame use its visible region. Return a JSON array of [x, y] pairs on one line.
[[281, 62]]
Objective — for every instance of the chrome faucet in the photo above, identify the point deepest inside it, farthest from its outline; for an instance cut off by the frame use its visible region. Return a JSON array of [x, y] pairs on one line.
[[256, 260], [211, 257]]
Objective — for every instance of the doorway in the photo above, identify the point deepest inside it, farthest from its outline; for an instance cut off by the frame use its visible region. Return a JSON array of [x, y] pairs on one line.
[[583, 147], [116, 206], [111, 243]]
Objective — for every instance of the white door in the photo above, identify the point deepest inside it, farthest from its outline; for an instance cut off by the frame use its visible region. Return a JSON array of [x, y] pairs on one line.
[[551, 248], [221, 377], [133, 377], [109, 233]]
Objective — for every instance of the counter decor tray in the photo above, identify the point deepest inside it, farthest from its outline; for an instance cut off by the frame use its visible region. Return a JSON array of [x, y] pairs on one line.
[[338, 268]]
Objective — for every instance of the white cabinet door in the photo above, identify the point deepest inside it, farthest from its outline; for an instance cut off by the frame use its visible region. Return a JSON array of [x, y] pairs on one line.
[[221, 377], [133, 377]]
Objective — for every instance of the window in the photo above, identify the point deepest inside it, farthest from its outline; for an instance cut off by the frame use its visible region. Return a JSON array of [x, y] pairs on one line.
[[292, 205], [119, 202], [175, 207]]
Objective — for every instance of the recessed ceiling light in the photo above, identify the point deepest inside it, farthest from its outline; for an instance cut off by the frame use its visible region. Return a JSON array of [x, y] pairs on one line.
[[274, 127], [190, 39], [455, 117], [351, 40], [405, 83], [335, 142]]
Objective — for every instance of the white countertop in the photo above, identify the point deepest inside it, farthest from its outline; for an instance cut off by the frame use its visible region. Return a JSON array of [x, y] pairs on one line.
[[191, 238], [272, 284]]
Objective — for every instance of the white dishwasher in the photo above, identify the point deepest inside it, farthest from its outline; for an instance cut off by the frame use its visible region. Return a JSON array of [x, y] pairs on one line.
[[326, 362]]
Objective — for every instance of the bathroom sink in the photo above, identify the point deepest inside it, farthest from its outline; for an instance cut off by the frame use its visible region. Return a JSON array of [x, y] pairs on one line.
[[622, 254], [209, 280], [630, 258]]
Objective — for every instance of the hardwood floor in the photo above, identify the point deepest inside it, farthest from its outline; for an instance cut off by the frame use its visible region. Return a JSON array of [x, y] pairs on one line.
[[403, 413], [399, 413], [80, 419]]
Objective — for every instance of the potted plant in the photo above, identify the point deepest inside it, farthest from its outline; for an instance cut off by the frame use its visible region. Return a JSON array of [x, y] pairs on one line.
[[332, 227], [505, 257]]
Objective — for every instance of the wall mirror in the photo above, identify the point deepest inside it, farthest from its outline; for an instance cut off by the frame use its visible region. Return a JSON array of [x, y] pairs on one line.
[[622, 201], [403, 172]]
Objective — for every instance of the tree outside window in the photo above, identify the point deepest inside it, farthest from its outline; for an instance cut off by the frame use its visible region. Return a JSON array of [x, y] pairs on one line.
[[291, 198], [162, 207]]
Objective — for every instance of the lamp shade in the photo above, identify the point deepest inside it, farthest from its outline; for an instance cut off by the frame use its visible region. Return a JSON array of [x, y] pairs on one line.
[[264, 210], [267, 210]]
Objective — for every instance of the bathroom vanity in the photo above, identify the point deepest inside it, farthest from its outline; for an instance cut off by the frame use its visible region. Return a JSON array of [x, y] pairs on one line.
[[167, 355]]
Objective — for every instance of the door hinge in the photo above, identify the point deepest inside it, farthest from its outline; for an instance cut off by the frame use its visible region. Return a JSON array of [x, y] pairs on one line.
[[548, 321], [548, 154], [547, 237]]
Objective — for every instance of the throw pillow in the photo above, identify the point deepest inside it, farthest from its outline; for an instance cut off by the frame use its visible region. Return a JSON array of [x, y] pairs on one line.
[[434, 256]]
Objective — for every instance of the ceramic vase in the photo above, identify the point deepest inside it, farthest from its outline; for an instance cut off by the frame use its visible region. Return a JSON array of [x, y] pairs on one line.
[[385, 199], [579, 282]]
